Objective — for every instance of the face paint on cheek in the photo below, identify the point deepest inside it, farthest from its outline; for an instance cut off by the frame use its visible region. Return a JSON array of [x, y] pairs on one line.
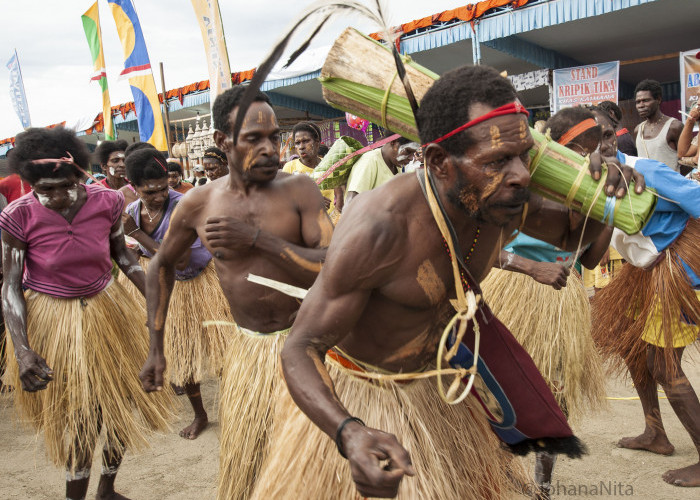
[[248, 160], [112, 172], [469, 199], [492, 185], [495, 137], [73, 194], [43, 199]]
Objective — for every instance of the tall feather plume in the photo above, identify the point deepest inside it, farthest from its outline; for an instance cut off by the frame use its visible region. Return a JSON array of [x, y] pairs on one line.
[[317, 16]]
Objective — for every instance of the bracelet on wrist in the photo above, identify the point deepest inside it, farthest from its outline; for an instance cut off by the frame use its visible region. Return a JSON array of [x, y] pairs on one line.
[[132, 232], [338, 433]]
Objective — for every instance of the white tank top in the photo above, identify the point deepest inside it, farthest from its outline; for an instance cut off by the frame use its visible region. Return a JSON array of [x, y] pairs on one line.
[[657, 148]]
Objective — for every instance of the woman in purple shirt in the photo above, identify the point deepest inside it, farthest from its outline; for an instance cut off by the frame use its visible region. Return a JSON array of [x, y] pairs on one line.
[[78, 337], [194, 350]]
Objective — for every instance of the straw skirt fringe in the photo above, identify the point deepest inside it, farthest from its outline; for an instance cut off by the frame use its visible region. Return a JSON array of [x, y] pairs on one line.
[[96, 347], [193, 351], [452, 448], [250, 383], [555, 330], [657, 306]]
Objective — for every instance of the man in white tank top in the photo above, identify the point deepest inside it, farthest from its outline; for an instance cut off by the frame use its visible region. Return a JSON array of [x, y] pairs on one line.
[[657, 136]]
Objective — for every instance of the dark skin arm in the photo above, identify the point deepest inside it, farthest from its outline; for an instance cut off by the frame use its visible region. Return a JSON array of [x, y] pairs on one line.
[[159, 286], [329, 312], [125, 259], [686, 136], [34, 373], [226, 235], [597, 250], [547, 273], [133, 230], [674, 132]]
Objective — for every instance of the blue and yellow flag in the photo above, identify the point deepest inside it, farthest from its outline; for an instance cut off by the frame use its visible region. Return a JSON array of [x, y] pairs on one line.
[[91, 25], [137, 67]]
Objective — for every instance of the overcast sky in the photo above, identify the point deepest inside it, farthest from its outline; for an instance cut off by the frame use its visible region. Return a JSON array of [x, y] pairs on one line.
[[56, 64]]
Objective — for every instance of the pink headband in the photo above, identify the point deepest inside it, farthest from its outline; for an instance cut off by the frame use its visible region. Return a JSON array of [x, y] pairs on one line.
[[58, 161]]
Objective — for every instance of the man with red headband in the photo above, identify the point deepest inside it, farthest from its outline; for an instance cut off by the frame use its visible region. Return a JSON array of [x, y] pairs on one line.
[[355, 361]]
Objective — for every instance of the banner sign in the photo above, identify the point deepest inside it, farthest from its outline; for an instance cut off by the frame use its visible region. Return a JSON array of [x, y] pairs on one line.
[[586, 85], [690, 79], [19, 98]]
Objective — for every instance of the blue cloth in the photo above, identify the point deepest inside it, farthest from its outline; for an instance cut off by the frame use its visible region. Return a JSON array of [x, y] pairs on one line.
[[537, 250], [669, 219]]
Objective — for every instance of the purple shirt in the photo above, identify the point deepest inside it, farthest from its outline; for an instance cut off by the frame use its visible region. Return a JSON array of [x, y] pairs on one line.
[[200, 256], [66, 259]]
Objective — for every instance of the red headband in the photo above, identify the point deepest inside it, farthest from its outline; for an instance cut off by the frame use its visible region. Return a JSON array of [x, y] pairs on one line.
[[577, 130], [511, 108]]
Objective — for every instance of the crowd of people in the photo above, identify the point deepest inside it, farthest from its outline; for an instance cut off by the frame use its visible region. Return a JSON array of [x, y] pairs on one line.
[[321, 312]]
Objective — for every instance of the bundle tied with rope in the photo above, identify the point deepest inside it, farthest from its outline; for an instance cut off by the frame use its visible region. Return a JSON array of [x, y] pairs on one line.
[[375, 93]]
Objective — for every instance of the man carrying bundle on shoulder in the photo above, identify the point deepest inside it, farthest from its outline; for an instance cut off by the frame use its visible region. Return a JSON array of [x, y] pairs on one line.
[[355, 362]]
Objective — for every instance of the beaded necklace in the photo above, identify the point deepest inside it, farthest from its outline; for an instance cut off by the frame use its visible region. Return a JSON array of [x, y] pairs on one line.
[[465, 283]]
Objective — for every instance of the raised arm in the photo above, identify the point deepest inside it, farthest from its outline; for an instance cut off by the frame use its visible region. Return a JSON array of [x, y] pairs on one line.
[[159, 286], [34, 373], [358, 263], [686, 137]]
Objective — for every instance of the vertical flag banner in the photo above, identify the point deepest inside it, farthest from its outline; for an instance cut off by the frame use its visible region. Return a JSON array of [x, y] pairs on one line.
[[585, 85], [137, 68], [91, 25], [690, 79], [209, 19], [19, 98]]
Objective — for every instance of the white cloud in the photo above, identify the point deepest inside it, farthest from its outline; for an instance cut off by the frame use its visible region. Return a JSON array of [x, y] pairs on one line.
[[55, 58]]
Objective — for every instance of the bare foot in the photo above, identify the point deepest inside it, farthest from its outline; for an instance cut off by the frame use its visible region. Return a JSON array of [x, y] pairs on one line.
[[687, 476], [195, 428], [658, 443], [110, 496]]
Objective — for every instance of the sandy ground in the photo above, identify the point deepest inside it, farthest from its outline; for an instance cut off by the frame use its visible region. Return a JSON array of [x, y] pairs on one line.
[[177, 469]]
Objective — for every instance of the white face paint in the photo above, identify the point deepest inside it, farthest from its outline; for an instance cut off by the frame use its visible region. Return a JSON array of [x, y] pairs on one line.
[[112, 172], [73, 194], [43, 199]]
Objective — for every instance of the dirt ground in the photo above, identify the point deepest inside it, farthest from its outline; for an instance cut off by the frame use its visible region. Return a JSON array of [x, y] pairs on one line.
[[176, 469]]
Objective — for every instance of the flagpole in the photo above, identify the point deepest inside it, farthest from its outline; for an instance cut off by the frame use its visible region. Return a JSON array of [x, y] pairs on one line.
[[19, 69], [167, 113]]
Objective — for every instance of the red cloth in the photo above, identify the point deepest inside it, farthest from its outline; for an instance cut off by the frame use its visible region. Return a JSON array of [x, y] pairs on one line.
[[12, 187], [622, 131]]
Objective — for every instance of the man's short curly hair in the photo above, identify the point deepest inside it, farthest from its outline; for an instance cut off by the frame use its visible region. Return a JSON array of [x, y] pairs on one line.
[[309, 127], [225, 103], [43, 143], [106, 148], [650, 85], [446, 105]]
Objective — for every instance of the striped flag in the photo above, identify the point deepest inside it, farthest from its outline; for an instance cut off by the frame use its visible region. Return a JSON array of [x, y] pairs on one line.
[[19, 98], [137, 68], [209, 19], [91, 25]]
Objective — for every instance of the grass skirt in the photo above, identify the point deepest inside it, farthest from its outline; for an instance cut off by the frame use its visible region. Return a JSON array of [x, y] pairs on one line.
[[250, 382], [192, 350], [555, 330], [96, 347], [650, 306], [452, 448]]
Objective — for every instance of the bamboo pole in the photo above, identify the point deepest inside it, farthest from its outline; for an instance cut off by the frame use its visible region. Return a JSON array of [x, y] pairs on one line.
[[167, 114]]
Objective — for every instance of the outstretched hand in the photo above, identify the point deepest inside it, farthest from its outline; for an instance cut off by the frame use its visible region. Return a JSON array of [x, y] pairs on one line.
[[619, 176], [34, 373], [550, 273], [377, 461], [152, 373]]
